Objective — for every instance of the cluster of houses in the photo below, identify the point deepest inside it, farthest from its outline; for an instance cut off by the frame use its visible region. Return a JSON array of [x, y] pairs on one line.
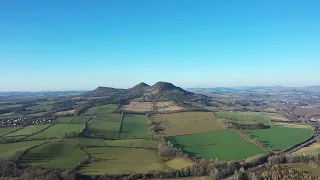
[[25, 121]]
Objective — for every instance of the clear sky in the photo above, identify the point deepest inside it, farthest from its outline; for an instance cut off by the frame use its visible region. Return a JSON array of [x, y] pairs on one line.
[[69, 45]]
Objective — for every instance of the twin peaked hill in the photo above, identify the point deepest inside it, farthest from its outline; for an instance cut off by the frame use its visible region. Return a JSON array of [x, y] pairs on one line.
[[161, 91]]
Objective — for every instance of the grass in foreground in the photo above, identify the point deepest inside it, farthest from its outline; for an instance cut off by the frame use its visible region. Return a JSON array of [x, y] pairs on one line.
[[61, 155], [58, 130], [279, 138], [187, 122], [7, 130], [221, 144], [134, 126], [9, 151], [28, 130], [122, 160]]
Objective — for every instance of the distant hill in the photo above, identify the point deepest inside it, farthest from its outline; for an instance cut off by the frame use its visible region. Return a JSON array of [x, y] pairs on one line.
[[160, 91]]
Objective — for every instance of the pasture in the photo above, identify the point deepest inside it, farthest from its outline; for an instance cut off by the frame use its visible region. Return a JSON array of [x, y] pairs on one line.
[[105, 109], [79, 120], [89, 142], [135, 106], [61, 155], [107, 126], [186, 123], [274, 116], [58, 130], [9, 151], [64, 119], [243, 117], [220, 144], [122, 160], [134, 126], [7, 130], [278, 138], [28, 130]]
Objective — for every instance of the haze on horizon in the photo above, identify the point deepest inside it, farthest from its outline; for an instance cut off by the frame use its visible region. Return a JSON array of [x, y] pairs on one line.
[[78, 45]]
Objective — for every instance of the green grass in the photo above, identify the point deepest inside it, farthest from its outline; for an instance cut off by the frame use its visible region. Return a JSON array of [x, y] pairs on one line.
[[279, 138], [61, 155], [28, 130], [243, 117], [134, 126], [80, 120], [107, 126], [64, 119], [58, 130], [221, 144], [10, 106], [7, 130], [105, 109], [89, 142], [9, 151], [42, 105], [122, 160]]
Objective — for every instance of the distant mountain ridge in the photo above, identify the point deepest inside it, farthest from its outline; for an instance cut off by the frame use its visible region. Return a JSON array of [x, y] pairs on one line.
[[160, 91]]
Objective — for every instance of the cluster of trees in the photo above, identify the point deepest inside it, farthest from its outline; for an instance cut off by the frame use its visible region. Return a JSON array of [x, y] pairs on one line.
[[234, 125], [167, 151], [12, 171]]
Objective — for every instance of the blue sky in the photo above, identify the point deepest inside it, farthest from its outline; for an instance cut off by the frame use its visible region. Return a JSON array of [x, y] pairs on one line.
[[63, 45]]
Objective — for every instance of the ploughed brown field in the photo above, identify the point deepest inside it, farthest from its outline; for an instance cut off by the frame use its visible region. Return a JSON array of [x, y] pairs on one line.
[[307, 111]]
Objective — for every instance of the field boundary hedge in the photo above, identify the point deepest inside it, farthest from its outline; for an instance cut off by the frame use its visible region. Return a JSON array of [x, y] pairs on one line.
[[22, 139], [252, 140], [87, 159], [300, 145], [16, 159], [13, 131], [121, 122], [128, 147]]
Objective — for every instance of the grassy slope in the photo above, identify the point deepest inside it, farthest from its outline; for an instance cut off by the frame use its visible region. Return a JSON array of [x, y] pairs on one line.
[[134, 126], [28, 130], [279, 138], [122, 160], [54, 155], [7, 130], [58, 130], [107, 125], [221, 144], [7, 151]]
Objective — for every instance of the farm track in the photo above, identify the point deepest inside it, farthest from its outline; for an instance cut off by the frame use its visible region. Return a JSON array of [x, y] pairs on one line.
[[252, 141]]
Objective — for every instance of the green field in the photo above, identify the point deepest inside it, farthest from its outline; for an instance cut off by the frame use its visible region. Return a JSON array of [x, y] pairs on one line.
[[64, 119], [88, 142], [80, 120], [10, 106], [122, 160], [61, 155], [8, 151], [7, 130], [107, 126], [279, 138], [221, 144], [105, 109], [134, 126], [28, 130], [243, 117], [57, 130], [42, 105]]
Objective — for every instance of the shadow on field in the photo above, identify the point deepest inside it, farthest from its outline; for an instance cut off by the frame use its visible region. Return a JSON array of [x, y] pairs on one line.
[[39, 157]]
